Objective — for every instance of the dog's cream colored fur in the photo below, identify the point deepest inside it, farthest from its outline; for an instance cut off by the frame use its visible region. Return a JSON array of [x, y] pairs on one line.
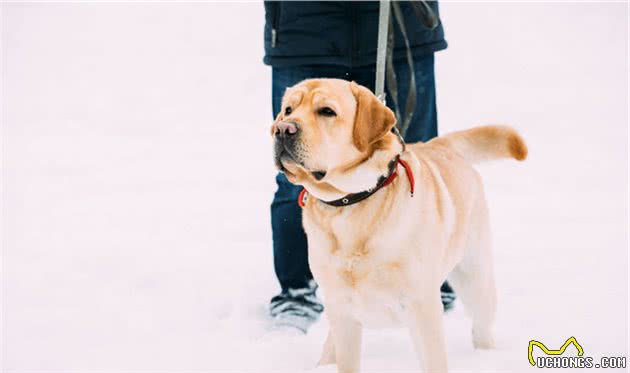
[[382, 261]]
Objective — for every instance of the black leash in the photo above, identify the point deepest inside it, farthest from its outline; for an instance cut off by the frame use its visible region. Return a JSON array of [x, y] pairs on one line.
[[385, 53]]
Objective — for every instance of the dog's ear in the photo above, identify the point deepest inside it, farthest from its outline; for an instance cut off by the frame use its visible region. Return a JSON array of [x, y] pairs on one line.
[[372, 118]]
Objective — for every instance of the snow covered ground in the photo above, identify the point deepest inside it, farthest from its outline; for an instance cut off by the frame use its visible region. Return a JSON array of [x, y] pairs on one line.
[[137, 177]]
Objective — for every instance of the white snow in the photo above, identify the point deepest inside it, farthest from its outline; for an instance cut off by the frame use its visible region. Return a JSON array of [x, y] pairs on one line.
[[137, 177]]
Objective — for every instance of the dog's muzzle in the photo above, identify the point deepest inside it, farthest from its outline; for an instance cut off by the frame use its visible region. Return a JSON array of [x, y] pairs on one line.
[[286, 137]]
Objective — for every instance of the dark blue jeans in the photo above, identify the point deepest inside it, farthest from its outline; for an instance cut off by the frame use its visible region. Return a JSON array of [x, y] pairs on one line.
[[289, 240]]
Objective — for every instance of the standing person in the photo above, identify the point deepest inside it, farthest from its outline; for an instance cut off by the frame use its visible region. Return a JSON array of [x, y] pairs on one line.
[[336, 40]]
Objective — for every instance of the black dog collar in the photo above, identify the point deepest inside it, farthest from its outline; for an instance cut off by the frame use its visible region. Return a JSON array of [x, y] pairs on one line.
[[383, 181]]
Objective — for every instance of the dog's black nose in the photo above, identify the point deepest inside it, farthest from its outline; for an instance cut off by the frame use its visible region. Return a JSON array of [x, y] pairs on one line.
[[285, 129]]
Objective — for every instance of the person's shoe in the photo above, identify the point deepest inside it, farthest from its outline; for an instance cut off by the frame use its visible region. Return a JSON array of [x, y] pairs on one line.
[[448, 296], [296, 308]]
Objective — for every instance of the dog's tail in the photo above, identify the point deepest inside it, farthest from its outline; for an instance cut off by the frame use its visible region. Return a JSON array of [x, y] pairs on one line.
[[485, 143]]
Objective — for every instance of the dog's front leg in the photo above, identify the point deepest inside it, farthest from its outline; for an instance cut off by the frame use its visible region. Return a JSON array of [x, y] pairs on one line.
[[346, 337], [328, 353], [427, 331]]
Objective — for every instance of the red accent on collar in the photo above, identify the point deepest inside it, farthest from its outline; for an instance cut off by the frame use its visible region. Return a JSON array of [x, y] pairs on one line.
[[412, 183], [302, 198], [390, 178]]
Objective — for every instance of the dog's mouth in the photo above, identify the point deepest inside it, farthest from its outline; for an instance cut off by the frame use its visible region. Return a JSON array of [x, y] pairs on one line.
[[286, 159], [283, 155]]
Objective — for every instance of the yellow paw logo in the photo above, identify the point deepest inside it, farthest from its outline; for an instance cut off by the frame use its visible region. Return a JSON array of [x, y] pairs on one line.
[[547, 351]]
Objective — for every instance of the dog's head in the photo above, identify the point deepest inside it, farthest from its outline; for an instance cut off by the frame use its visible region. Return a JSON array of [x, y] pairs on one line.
[[326, 133]]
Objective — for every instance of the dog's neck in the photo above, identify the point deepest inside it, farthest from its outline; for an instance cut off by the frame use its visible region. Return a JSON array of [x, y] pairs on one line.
[[358, 178]]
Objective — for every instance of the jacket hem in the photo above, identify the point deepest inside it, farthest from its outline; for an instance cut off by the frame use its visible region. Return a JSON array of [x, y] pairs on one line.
[[343, 61]]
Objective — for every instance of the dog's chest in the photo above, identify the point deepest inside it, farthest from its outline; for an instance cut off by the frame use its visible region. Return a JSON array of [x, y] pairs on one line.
[[373, 292], [368, 275]]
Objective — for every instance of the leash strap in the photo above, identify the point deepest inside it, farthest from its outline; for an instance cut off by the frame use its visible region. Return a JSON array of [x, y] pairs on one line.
[[385, 57], [381, 48], [410, 105]]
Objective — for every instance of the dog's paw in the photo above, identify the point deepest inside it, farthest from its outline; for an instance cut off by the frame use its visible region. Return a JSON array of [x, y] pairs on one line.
[[483, 339]]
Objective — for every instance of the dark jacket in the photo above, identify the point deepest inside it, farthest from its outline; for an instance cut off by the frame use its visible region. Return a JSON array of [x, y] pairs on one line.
[[338, 33]]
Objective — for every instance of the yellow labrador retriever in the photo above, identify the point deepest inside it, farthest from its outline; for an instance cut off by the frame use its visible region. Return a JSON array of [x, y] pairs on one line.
[[386, 222]]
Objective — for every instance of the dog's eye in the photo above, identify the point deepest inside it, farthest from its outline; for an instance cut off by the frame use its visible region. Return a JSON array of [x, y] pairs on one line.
[[288, 110], [326, 112]]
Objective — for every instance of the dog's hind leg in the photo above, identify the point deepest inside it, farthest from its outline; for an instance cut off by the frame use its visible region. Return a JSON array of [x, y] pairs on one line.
[[477, 292], [328, 354], [473, 278]]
